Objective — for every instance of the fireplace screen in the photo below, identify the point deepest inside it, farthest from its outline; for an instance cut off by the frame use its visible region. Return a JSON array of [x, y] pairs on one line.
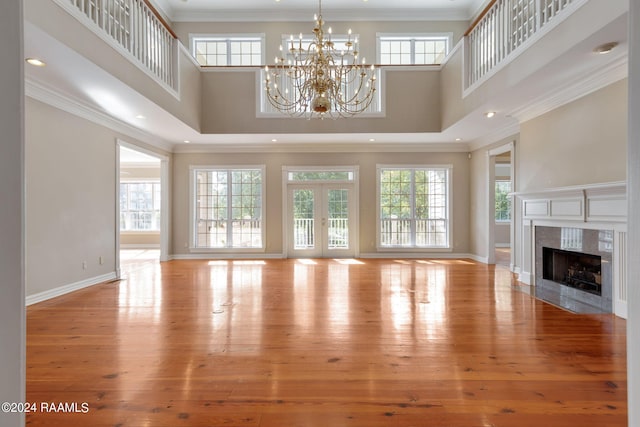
[[574, 269]]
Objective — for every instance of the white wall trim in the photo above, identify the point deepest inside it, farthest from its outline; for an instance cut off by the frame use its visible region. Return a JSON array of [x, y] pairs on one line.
[[525, 277], [505, 132], [422, 255], [323, 147], [302, 15], [54, 98], [589, 83], [139, 246], [65, 289], [230, 256]]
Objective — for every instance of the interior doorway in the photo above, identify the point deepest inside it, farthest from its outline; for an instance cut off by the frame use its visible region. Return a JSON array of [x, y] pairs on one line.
[[500, 189], [142, 208]]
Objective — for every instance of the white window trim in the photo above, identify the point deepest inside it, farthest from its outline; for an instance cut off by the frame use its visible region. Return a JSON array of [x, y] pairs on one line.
[[505, 221], [352, 169], [192, 210], [193, 37], [142, 181], [307, 38], [414, 249], [417, 36]]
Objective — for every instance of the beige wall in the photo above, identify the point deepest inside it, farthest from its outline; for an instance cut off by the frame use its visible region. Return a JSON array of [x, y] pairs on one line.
[[412, 105], [367, 165], [583, 142], [411, 98], [70, 196]]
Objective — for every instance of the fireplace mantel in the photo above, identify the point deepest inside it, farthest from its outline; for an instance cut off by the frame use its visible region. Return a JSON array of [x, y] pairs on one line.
[[594, 206], [588, 203]]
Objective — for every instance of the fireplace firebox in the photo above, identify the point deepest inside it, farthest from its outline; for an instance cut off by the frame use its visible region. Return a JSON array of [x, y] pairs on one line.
[[574, 269]]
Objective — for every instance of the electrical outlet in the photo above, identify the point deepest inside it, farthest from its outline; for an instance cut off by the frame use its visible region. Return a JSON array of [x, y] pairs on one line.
[[101, 260], [84, 265]]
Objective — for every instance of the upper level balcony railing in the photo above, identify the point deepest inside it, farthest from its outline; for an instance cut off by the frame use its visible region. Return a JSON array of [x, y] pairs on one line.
[[138, 28], [501, 28]]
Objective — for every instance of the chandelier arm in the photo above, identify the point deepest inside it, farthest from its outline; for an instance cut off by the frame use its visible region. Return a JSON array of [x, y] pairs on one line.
[[319, 80]]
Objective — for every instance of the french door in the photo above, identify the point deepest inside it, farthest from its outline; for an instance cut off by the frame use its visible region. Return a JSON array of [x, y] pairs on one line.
[[321, 220]]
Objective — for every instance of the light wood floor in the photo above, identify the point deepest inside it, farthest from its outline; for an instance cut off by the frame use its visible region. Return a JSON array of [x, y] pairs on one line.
[[306, 343]]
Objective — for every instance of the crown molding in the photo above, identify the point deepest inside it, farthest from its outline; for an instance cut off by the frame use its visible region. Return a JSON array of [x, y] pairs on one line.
[[300, 15], [323, 148], [54, 98], [497, 135], [590, 82]]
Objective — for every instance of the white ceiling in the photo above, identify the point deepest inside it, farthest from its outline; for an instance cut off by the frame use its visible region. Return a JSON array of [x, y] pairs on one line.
[[335, 10]]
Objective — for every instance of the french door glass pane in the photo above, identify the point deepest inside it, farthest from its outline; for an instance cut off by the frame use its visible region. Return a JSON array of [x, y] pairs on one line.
[[338, 207], [303, 219]]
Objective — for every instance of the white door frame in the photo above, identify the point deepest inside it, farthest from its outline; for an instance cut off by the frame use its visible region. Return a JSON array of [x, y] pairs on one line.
[[491, 204], [164, 202], [287, 250]]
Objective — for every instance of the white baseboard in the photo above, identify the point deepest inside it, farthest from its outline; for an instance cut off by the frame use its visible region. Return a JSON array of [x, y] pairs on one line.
[[525, 277], [503, 245], [225, 256], [62, 290], [420, 255], [620, 309], [140, 246]]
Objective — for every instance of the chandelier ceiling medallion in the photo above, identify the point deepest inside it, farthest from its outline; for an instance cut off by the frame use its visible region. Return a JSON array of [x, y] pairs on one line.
[[322, 78]]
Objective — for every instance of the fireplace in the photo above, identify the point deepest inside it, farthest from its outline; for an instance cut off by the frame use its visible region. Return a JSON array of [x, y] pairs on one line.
[[574, 268]]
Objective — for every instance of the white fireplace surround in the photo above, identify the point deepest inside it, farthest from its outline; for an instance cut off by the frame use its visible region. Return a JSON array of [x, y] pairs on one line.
[[594, 207]]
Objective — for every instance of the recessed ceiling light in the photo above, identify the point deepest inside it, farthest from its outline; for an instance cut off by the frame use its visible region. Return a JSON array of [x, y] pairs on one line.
[[490, 114], [36, 62], [186, 141], [274, 140], [605, 48], [372, 140], [140, 116], [458, 139]]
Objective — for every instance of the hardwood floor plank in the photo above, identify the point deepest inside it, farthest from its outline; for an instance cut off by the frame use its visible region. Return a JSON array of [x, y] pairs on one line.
[[322, 343]]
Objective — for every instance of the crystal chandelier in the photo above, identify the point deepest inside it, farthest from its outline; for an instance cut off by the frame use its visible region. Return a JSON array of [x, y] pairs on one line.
[[320, 79]]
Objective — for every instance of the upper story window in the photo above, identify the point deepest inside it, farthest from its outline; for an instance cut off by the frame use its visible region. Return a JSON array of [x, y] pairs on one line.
[[418, 49], [225, 50], [304, 41]]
